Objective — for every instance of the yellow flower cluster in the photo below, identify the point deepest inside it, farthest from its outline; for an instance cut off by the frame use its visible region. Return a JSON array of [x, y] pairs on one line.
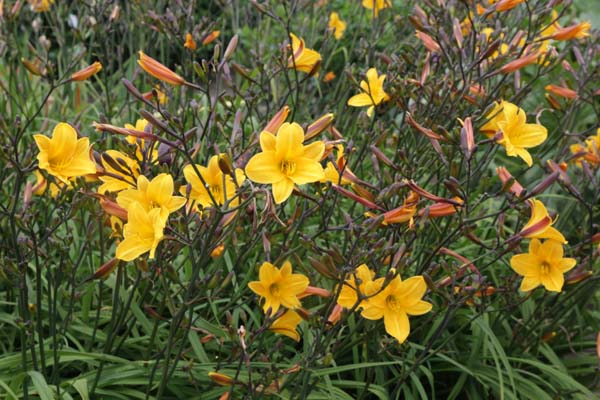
[[544, 264], [392, 300]]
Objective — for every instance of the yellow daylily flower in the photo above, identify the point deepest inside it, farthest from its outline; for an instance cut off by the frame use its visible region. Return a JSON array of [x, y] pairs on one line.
[[279, 287], [157, 193], [64, 156], [302, 58], [373, 92], [336, 25], [142, 232], [590, 152], [221, 186], [516, 135], [396, 302], [359, 281], [285, 161], [543, 265], [287, 325], [376, 5], [189, 43], [40, 5], [332, 173], [118, 177], [539, 225]]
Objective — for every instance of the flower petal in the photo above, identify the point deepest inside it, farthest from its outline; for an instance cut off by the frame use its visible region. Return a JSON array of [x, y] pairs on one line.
[[307, 171], [264, 168], [529, 283], [360, 100], [397, 325], [314, 151], [525, 264], [289, 140], [282, 190]]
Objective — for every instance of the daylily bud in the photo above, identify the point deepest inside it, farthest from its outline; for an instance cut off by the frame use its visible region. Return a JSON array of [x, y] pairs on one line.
[[225, 164], [543, 185], [217, 251], [505, 5], [467, 141], [428, 42], [86, 72], [577, 31], [211, 37], [221, 379], [105, 270], [311, 290], [158, 70], [519, 63], [278, 120], [318, 126], [507, 178], [31, 67], [335, 315], [561, 91], [230, 48], [112, 208]]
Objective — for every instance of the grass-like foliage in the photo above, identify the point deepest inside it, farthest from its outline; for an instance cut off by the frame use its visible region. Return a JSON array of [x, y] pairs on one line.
[[375, 199]]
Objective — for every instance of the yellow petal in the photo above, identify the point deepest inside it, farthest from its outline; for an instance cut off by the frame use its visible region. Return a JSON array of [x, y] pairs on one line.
[[314, 151], [264, 168], [422, 307], [529, 135], [525, 264], [282, 190], [267, 141], [371, 311], [307, 171], [397, 325], [553, 281], [131, 248], [288, 144], [268, 273], [360, 100], [529, 283], [566, 264]]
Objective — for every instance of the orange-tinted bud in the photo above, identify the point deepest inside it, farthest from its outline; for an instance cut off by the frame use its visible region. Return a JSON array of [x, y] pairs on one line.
[[277, 120], [211, 37], [429, 43], [158, 70], [221, 379], [217, 251], [31, 67], [329, 76], [318, 126], [86, 72], [519, 63], [506, 178], [561, 91], [505, 5], [577, 31]]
